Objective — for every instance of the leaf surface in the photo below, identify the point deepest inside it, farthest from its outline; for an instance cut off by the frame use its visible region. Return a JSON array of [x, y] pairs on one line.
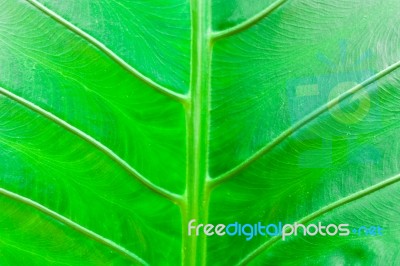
[[123, 120]]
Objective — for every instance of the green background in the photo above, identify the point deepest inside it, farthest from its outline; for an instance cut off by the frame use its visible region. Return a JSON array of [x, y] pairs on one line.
[[122, 120]]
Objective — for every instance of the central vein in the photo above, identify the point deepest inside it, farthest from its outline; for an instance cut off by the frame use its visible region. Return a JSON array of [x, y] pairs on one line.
[[197, 120]]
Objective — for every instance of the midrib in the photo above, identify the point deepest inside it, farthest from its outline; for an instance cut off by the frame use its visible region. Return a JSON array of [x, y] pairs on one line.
[[197, 119]]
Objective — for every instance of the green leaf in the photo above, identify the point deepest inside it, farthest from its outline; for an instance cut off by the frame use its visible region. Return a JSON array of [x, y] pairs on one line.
[[121, 121]]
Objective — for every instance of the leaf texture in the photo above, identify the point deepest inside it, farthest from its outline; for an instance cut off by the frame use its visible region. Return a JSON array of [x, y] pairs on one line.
[[121, 121]]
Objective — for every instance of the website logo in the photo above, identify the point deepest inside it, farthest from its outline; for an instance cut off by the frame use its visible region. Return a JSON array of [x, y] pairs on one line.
[[249, 231]]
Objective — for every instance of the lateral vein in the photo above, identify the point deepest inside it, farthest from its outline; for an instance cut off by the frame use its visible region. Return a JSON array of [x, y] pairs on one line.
[[323, 210], [101, 147], [102, 47], [248, 23], [300, 124], [77, 227]]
